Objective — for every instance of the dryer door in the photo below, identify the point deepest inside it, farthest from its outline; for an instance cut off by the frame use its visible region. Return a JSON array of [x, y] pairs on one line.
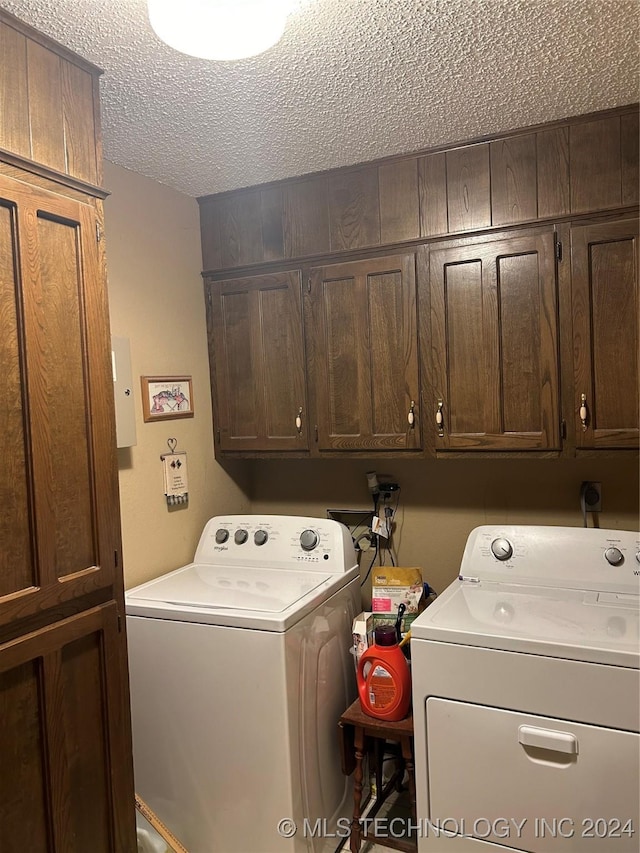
[[532, 783]]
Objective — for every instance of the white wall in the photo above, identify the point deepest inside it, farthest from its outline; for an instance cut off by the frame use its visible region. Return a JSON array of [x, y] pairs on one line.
[[156, 300]]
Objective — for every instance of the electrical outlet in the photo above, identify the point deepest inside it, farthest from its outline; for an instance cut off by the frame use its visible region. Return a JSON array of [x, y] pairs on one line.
[[591, 496]]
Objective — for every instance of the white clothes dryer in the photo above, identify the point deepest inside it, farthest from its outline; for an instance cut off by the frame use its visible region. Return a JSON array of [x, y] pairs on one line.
[[240, 667], [526, 695]]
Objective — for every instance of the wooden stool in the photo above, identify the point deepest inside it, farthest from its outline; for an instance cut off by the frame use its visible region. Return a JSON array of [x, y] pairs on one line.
[[359, 734]]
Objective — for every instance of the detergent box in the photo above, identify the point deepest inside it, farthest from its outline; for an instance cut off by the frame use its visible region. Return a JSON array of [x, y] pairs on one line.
[[395, 585]]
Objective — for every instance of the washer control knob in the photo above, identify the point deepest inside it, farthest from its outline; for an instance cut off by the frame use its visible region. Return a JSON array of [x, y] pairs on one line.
[[501, 549], [614, 557], [637, 556], [260, 537], [221, 535], [308, 539], [241, 536]]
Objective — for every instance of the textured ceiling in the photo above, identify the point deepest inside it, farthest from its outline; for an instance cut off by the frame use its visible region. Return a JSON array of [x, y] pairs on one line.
[[351, 80]]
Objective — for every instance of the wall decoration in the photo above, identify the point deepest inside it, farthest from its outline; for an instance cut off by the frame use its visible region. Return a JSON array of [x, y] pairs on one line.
[[166, 397]]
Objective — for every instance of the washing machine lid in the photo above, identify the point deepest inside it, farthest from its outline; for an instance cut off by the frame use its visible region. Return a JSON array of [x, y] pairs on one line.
[[267, 599], [578, 625]]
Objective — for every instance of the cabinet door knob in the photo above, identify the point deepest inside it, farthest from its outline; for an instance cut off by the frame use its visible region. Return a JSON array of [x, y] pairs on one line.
[[411, 417], [584, 412], [440, 419], [299, 421]]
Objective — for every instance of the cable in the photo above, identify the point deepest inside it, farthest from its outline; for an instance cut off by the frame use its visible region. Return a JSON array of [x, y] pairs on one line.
[[373, 559], [390, 514]]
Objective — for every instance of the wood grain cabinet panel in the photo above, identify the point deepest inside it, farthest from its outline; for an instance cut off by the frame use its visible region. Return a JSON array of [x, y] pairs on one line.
[[14, 119], [595, 163], [354, 209], [45, 107], [630, 143], [257, 362], [604, 270], [60, 489], [210, 238], [272, 215], [552, 147], [306, 218], [578, 166], [399, 203], [64, 749], [363, 354], [494, 344], [48, 103], [80, 132], [241, 230], [513, 180], [17, 563], [432, 188], [468, 188]]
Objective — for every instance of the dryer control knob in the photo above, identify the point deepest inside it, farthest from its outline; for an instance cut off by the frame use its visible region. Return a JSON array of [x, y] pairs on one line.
[[308, 539], [260, 537], [501, 549], [241, 536], [221, 535], [614, 557]]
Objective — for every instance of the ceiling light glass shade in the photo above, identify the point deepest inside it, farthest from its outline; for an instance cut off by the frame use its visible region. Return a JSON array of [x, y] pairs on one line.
[[219, 29]]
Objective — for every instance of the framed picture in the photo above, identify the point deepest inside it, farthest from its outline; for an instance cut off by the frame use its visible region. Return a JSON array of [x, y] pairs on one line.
[[166, 397]]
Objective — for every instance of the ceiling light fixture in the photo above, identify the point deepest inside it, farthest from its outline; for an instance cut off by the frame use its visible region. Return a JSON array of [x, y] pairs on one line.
[[220, 29]]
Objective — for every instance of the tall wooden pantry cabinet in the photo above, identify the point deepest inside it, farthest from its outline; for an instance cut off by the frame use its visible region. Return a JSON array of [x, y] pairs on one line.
[[66, 783]]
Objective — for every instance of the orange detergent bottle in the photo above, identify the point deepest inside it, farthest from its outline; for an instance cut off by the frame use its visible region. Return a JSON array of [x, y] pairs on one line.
[[384, 678]]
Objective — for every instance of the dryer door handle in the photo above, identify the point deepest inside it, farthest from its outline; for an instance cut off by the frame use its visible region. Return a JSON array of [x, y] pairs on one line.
[[548, 739]]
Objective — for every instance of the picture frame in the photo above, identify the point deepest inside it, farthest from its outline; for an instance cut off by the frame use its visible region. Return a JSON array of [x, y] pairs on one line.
[[166, 397]]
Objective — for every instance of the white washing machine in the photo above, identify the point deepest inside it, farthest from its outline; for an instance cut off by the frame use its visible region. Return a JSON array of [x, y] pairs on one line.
[[240, 667], [526, 696]]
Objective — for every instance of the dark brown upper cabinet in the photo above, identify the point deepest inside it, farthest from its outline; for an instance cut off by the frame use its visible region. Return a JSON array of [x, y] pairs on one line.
[[494, 344], [363, 365], [257, 362], [604, 271], [50, 104], [488, 303], [580, 165]]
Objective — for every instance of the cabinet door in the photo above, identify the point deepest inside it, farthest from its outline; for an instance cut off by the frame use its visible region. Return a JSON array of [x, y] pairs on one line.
[[604, 271], [257, 362], [364, 354], [494, 344], [66, 781], [58, 481]]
